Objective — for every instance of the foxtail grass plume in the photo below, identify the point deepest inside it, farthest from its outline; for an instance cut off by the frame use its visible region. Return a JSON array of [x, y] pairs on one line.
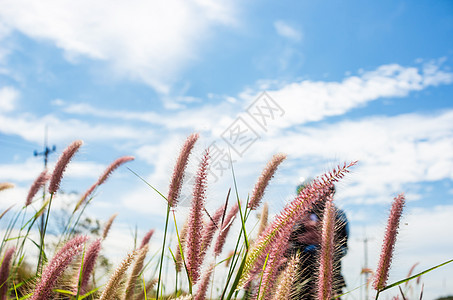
[[182, 241], [6, 211], [194, 238], [204, 283], [178, 173], [110, 169], [56, 267], [89, 262], [274, 265], [136, 269], [146, 238], [325, 276], [286, 280], [263, 218], [61, 165], [264, 179], [39, 182], [388, 246], [108, 225], [5, 186], [221, 239], [287, 218], [115, 280], [4, 272]]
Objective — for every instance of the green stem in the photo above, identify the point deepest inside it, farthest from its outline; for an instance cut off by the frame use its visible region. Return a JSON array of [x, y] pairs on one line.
[[43, 234], [163, 250]]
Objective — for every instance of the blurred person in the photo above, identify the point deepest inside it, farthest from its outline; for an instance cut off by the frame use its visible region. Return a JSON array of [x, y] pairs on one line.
[[305, 240]]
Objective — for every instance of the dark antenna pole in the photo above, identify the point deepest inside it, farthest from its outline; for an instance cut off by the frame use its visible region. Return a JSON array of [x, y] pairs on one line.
[[45, 154]]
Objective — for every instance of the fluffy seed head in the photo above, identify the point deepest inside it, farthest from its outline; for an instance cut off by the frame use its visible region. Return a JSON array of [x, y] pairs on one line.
[[178, 172], [5, 186], [39, 182], [89, 262], [388, 245], [61, 165], [264, 179], [194, 259], [108, 225], [4, 272], [146, 238], [56, 267]]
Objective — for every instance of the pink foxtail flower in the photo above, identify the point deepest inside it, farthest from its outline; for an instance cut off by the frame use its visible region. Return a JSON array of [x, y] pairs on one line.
[[182, 240], [204, 283], [273, 265], [89, 262], [108, 225], [4, 273], [39, 182], [56, 267], [264, 218], [178, 172], [146, 238], [287, 218], [264, 179], [388, 246], [110, 169], [61, 165], [325, 276], [221, 239], [193, 257]]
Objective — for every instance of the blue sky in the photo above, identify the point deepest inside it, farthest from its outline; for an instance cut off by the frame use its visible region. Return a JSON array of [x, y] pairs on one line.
[[351, 80]]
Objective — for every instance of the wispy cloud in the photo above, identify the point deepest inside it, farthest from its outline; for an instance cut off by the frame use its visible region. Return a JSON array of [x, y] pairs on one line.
[[287, 31], [311, 101], [8, 98], [148, 41]]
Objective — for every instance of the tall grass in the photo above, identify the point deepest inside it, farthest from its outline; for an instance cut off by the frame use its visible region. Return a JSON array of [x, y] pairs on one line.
[[258, 268]]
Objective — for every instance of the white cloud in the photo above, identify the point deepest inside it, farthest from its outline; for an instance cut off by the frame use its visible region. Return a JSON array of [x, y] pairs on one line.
[[287, 31], [392, 152], [30, 128], [146, 41], [8, 98], [309, 101]]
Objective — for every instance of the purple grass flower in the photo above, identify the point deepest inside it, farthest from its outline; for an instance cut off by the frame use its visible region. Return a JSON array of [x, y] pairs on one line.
[[39, 182], [4, 273], [204, 283], [178, 172], [388, 246], [110, 169], [89, 263], [182, 240], [221, 239], [264, 179], [146, 238], [196, 221], [325, 276], [61, 165], [56, 267]]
